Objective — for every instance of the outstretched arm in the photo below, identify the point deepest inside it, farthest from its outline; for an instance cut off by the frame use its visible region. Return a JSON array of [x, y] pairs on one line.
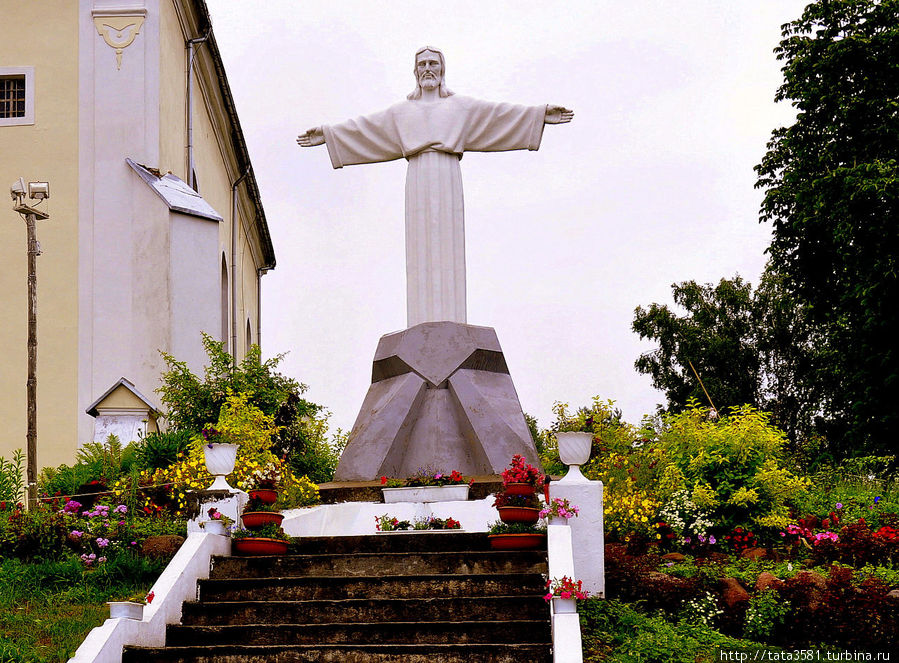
[[311, 138], [557, 115]]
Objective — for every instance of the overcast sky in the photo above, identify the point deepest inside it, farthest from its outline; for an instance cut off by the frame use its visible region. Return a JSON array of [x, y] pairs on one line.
[[650, 184]]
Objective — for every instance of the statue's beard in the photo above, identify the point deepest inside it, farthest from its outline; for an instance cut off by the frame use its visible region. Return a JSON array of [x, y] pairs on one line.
[[428, 81]]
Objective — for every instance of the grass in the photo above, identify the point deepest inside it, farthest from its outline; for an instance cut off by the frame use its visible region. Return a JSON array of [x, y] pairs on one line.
[[47, 608]]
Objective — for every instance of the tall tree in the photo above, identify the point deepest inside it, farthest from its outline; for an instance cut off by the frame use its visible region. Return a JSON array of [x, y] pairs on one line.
[[831, 184], [715, 336], [749, 347]]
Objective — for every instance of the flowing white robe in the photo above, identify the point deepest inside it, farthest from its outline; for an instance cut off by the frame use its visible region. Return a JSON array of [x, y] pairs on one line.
[[432, 136]]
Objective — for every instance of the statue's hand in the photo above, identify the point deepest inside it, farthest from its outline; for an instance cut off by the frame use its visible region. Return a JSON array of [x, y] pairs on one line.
[[557, 115], [311, 138]]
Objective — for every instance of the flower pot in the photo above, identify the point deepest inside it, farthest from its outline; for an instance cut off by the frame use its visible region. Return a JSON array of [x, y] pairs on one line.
[[525, 489], [215, 527], [259, 546], [574, 451], [452, 493], [264, 495], [574, 448], [516, 541], [562, 606], [558, 520], [220, 459], [254, 519], [518, 514], [125, 610]]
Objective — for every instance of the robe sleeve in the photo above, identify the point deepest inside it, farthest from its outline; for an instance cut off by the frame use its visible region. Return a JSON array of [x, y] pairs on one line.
[[368, 139], [497, 127]]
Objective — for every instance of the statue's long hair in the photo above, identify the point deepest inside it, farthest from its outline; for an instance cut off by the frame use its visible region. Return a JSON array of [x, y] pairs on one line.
[[442, 89]]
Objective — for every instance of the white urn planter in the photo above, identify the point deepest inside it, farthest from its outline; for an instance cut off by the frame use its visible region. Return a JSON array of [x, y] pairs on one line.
[[220, 459], [453, 493], [564, 606], [215, 527], [574, 451], [125, 610]]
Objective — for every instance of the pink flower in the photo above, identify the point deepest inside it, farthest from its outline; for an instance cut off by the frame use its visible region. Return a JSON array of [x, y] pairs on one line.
[[565, 595]]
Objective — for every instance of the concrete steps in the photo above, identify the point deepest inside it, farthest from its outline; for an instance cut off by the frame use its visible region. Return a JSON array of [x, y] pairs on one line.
[[435, 597]]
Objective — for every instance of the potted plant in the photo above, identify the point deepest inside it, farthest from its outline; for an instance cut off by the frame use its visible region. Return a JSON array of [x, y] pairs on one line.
[[258, 513], [516, 536], [521, 478], [218, 523], [426, 485], [266, 540], [574, 437], [220, 457], [263, 484], [564, 593], [517, 508], [132, 608], [558, 511], [390, 524]]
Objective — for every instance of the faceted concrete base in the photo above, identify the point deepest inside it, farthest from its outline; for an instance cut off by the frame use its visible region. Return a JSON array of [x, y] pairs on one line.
[[441, 397]]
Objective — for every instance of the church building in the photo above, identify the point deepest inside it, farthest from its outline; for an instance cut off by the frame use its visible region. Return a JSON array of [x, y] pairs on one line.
[[156, 230]]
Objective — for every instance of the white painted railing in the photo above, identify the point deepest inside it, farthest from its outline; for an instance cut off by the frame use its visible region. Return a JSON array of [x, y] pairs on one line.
[[178, 583]]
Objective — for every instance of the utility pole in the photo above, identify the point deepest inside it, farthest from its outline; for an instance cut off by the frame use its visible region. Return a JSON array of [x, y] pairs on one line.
[[36, 191]]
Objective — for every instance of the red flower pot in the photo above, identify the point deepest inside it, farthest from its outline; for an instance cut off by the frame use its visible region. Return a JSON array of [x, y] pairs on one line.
[[516, 541], [518, 514], [254, 519], [264, 495], [525, 489], [260, 546]]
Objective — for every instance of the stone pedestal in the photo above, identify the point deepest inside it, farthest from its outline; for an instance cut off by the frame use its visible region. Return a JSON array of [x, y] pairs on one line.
[[441, 397], [587, 534]]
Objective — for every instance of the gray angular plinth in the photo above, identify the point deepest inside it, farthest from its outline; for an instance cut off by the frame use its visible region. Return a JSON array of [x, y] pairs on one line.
[[441, 397]]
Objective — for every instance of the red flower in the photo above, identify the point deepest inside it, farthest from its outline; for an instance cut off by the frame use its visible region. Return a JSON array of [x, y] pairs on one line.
[[383, 480], [150, 597]]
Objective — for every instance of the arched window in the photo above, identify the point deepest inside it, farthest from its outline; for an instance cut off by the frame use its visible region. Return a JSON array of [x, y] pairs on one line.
[[225, 301], [249, 340]]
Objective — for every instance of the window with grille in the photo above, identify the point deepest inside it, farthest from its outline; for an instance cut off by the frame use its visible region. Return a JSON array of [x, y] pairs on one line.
[[16, 95], [12, 96]]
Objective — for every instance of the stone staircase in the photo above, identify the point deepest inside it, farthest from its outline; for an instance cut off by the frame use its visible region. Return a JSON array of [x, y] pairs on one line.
[[440, 597]]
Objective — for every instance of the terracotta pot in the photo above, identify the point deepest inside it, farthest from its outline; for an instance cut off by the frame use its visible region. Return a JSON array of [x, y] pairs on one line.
[[259, 546], [254, 519], [525, 489], [516, 541], [264, 495], [518, 514]]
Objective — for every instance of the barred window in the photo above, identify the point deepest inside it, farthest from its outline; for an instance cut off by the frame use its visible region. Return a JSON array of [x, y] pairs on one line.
[[16, 96], [12, 96]]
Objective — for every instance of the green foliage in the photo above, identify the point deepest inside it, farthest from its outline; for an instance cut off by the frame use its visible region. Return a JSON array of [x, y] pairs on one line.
[[47, 608], [12, 482], [158, 450], [732, 467], [301, 426], [831, 184], [747, 347], [766, 612], [499, 527], [270, 531], [615, 632], [716, 336], [99, 462]]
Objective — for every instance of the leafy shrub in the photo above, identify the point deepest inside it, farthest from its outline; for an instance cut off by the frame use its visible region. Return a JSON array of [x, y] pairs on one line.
[[732, 467], [628, 512], [766, 612], [97, 466], [158, 450], [12, 484], [701, 610]]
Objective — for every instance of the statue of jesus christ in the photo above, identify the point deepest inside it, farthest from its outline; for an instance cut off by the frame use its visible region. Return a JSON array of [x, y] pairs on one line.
[[431, 130]]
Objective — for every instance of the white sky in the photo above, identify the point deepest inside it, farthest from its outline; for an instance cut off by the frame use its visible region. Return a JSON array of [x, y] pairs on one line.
[[651, 184]]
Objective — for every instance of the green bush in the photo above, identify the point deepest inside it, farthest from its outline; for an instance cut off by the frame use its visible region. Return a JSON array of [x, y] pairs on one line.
[[733, 467], [158, 450], [96, 463], [12, 485], [766, 612]]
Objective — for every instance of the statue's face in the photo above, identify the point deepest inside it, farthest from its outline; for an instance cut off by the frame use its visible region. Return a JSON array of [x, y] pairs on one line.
[[428, 70]]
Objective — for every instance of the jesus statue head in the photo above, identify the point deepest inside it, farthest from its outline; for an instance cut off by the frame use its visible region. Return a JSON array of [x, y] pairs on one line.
[[429, 70]]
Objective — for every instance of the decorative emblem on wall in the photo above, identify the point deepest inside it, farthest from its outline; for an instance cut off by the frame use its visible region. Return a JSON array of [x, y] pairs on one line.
[[118, 32]]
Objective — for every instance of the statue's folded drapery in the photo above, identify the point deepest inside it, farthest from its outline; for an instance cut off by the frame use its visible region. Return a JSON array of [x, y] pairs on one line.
[[432, 136]]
